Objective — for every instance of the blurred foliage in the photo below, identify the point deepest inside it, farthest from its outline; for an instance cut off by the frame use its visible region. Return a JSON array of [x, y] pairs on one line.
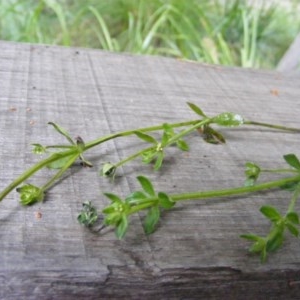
[[232, 33]]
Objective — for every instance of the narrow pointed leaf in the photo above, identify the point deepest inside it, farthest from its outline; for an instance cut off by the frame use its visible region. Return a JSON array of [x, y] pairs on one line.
[[182, 145], [108, 210], [167, 134], [146, 185], [145, 137], [263, 255], [151, 219], [251, 237], [291, 187], [62, 131], [259, 242], [136, 197], [292, 160], [211, 136], [249, 182], [168, 129], [258, 246], [122, 227], [271, 213], [114, 198], [293, 217], [196, 109], [274, 243], [148, 156], [159, 160], [59, 163], [292, 229]]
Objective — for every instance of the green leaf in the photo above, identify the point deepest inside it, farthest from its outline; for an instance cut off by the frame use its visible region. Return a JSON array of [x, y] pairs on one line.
[[168, 129], [258, 246], [159, 160], [211, 136], [259, 242], [60, 162], [196, 109], [292, 229], [228, 119], [122, 227], [108, 210], [62, 131], [146, 185], [182, 145], [292, 160], [291, 187], [271, 213], [151, 219], [275, 242], [165, 200], [251, 237], [293, 217], [148, 156], [145, 137], [263, 255], [249, 182], [136, 197], [167, 134], [114, 198]]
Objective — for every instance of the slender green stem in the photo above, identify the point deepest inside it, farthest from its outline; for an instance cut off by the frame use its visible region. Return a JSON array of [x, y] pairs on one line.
[[234, 191], [223, 193], [133, 156], [279, 171], [294, 199], [280, 127], [145, 205], [34, 169], [56, 156], [132, 131], [196, 124], [187, 131], [59, 147]]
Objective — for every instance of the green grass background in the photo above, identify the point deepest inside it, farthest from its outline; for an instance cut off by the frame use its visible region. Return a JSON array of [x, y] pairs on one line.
[[232, 33]]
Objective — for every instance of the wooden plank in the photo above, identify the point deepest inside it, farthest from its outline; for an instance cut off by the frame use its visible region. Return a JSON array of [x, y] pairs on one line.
[[196, 251]]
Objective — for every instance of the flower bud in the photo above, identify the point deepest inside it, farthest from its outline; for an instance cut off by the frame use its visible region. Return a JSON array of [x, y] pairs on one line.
[[108, 170], [30, 194]]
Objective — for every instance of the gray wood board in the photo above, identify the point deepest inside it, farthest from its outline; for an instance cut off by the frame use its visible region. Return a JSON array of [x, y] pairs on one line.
[[196, 251]]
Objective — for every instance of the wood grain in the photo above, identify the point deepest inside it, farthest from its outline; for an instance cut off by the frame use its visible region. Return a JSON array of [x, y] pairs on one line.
[[196, 252]]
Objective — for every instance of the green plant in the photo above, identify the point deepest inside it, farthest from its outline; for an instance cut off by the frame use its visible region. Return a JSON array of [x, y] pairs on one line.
[[232, 33], [62, 157]]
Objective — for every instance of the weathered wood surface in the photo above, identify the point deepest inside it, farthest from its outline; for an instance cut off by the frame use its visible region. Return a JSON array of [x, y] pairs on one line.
[[196, 252]]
